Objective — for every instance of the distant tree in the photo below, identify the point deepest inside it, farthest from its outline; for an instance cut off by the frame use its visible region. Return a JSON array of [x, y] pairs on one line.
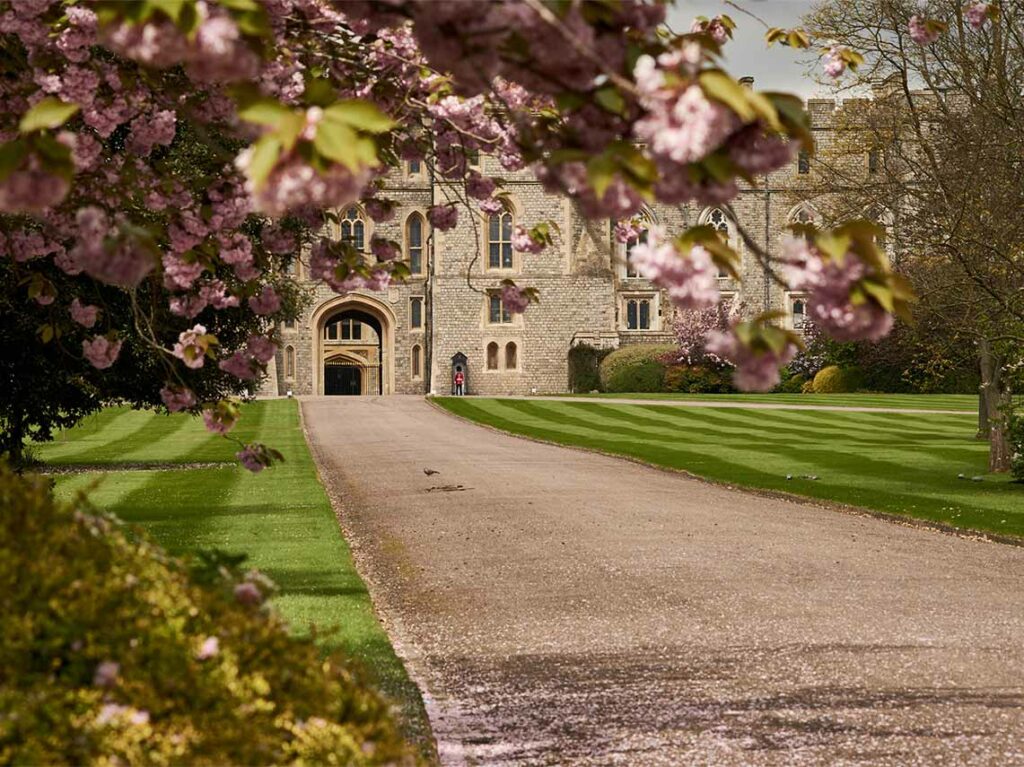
[[937, 158]]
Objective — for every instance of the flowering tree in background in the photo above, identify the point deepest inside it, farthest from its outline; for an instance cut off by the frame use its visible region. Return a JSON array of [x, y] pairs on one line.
[[184, 153]]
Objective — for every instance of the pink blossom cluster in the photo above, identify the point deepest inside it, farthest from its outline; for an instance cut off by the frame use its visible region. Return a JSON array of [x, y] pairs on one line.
[[254, 457], [514, 299], [113, 712], [31, 189], [248, 362], [84, 314], [620, 199], [443, 217], [691, 279], [629, 230], [191, 347], [833, 62], [976, 14], [177, 398], [830, 282], [714, 27], [104, 255], [218, 420], [326, 265], [524, 242], [756, 370], [294, 184], [267, 301], [101, 351], [920, 33]]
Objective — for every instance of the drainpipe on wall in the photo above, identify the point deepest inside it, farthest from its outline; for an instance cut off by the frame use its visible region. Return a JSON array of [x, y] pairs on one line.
[[767, 243], [428, 351]]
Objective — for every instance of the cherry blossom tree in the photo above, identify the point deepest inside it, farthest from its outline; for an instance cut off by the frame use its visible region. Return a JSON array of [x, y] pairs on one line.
[[184, 153]]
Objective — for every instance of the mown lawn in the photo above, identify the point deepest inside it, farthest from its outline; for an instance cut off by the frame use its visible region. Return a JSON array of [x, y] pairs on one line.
[[967, 403], [281, 519], [900, 463]]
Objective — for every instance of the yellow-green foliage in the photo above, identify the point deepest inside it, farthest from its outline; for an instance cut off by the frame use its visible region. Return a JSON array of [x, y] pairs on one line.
[[837, 380], [79, 593], [615, 364]]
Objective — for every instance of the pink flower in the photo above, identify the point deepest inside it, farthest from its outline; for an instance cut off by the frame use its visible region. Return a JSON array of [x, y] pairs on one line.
[[755, 370], [111, 711], [691, 279], [260, 348], [148, 131], [31, 190], [251, 459], [191, 347], [920, 32], [379, 210], [491, 205], [208, 649], [179, 274], [106, 674], [514, 299], [177, 399], [83, 314], [684, 127], [524, 243], [216, 421], [833, 62], [101, 351], [384, 250], [294, 185], [239, 365], [247, 593], [443, 217], [976, 14], [479, 187], [628, 231], [713, 27], [267, 302]]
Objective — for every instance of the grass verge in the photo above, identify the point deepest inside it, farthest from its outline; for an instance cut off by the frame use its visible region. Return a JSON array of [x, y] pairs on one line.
[[281, 519], [964, 403], [898, 463]]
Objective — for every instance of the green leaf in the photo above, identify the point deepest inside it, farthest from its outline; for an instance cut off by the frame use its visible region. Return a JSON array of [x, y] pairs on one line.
[[319, 92], [610, 100], [600, 173], [11, 156], [720, 87], [337, 142], [49, 113], [265, 154], [46, 333], [361, 115], [265, 111], [881, 293]]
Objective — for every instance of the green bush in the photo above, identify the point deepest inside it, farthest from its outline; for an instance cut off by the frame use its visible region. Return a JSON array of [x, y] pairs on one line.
[[643, 376], [697, 379], [807, 387], [1016, 438], [116, 653], [792, 384], [628, 356], [837, 380], [584, 368]]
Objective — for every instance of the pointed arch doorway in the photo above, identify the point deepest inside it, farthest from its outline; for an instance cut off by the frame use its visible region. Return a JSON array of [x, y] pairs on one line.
[[353, 347]]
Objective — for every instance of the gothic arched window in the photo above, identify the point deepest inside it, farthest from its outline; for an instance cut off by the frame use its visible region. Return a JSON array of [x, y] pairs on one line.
[[499, 241], [289, 362], [417, 361], [492, 356], [511, 356], [353, 229], [717, 219], [414, 243]]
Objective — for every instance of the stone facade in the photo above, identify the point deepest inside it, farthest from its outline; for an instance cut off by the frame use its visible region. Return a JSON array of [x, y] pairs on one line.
[[583, 282]]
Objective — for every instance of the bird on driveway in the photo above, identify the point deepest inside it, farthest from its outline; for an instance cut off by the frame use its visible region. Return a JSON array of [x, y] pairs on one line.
[[428, 472]]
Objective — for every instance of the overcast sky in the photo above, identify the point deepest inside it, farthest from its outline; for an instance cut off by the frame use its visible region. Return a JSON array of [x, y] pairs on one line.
[[775, 68]]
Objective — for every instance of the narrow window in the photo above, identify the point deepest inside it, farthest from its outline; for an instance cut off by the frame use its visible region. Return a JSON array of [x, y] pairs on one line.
[[473, 157], [492, 356], [497, 314], [645, 315], [415, 313], [632, 307], [799, 312], [289, 324], [873, 161], [332, 331], [289, 362], [511, 356], [414, 167], [417, 363], [718, 220], [353, 229], [630, 269], [414, 243], [499, 241], [803, 162]]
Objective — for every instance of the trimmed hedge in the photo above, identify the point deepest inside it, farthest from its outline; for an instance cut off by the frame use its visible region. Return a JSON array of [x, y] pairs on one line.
[[698, 379], [837, 380], [1016, 438], [641, 365], [116, 653], [585, 368]]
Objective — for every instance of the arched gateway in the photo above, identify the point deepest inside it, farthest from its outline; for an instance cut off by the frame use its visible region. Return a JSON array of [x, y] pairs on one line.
[[353, 347]]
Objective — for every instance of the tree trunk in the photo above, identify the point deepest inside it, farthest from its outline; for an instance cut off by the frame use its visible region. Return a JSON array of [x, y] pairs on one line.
[[984, 365], [997, 408]]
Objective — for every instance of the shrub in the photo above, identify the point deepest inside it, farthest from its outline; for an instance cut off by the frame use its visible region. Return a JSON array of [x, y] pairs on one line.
[[1016, 439], [584, 367], [116, 653], [808, 387], [837, 380], [643, 376], [792, 384], [633, 355], [697, 379]]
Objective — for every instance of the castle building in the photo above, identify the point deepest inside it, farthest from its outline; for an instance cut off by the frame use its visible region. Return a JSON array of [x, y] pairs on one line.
[[411, 337]]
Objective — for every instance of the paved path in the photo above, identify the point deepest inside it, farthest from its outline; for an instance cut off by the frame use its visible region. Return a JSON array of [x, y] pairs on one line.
[[738, 403], [562, 607]]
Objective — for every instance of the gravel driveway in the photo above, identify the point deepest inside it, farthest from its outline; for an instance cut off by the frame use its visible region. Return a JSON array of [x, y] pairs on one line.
[[561, 607]]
